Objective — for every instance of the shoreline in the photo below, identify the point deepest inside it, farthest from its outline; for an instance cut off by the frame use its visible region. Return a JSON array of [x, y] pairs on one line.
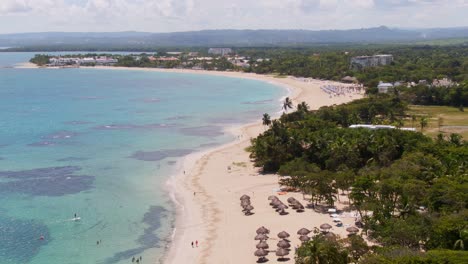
[[205, 199]]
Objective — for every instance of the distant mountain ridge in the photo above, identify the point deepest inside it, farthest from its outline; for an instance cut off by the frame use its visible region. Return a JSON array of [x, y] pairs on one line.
[[230, 37]]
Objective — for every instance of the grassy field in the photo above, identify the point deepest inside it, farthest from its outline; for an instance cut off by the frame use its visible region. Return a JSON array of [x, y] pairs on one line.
[[441, 119]]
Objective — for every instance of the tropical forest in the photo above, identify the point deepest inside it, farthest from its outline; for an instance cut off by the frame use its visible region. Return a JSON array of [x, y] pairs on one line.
[[410, 189]]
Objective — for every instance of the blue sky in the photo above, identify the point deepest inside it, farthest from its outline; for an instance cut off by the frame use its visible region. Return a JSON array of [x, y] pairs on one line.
[[185, 15]]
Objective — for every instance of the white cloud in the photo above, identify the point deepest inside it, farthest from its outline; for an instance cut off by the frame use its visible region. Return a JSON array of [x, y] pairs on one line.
[[13, 6], [178, 15]]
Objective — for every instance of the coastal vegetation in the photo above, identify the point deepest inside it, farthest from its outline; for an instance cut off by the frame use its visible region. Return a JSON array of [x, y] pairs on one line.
[[410, 190], [40, 59]]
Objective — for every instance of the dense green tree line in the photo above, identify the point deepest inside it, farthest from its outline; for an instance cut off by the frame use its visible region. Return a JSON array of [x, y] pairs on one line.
[[411, 191], [431, 95], [40, 60]]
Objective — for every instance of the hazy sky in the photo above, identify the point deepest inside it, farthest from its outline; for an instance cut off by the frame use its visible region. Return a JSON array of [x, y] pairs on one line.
[[184, 15]]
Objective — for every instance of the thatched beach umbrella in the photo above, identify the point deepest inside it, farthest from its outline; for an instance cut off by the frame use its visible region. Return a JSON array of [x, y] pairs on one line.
[[283, 212], [330, 236], [352, 229], [291, 200], [325, 226], [245, 197], [281, 207], [245, 202], [262, 244], [275, 203], [261, 253], [303, 231], [263, 230], [248, 208], [261, 237], [283, 234], [272, 197], [304, 238], [281, 252], [283, 244]]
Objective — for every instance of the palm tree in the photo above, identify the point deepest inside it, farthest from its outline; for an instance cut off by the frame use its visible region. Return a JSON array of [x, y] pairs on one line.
[[413, 119], [423, 122], [440, 122], [287, 104], [459, 244], [266, 119], [303, 107]]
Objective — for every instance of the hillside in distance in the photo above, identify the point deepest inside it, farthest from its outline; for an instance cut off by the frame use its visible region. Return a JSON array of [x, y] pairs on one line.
[[232, 38]]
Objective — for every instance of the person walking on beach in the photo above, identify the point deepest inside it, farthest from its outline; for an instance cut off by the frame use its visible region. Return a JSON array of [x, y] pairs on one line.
[[196, 242], [192, 244], [133, 259]]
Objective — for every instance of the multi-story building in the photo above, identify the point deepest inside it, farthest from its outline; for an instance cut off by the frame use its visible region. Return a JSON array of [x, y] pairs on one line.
[[371, 61], [220, 51]]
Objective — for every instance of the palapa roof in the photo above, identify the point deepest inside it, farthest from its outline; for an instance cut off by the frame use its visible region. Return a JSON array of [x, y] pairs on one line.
[[262, 244], [303, 231], [281, 252], [304, 238], [261, 237], [244, 197], [249, 208], [283, 234], [263, 230], [261, 252], [325, 226], [272, 197], [283, 244], [352, 229]]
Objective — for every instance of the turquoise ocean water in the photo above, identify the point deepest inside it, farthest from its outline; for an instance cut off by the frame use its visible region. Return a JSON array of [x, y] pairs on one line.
[[102, 144]]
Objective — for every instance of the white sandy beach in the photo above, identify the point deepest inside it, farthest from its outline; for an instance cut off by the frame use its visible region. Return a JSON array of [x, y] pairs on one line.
[[207, 195]]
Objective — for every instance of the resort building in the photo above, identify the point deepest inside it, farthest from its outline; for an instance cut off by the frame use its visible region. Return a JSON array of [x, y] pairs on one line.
[[371, 61], [167, 59], [374, 127], [220, 51], [100, 60], [384, 87], [443, 83]]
